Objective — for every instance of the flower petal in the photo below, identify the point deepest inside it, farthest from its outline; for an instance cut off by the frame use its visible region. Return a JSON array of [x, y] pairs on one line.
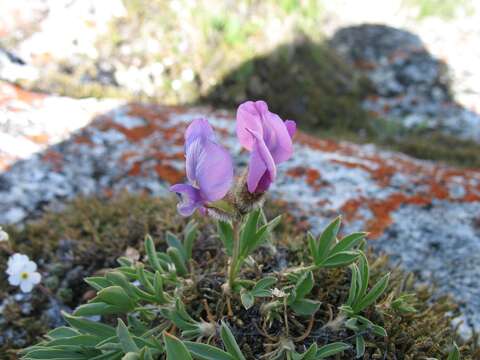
[[214, 171], [26, 286], [15, 279], [35, 277], [191, 198], [261, 162], [277, 138], [198, 129], [16, 262], [30, 266], [249, 116], [291, 127], [193, 156]]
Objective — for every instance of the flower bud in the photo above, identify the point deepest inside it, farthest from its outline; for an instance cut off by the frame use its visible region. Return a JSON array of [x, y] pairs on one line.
[[244, 200]]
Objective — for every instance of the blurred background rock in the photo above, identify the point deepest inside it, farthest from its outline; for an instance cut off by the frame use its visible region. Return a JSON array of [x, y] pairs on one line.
[[394, 72]]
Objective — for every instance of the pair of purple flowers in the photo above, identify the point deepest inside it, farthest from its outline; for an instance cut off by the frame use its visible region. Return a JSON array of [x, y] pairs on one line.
[[209, 166]]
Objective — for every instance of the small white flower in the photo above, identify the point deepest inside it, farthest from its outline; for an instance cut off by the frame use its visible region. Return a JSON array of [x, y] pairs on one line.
[[278, 293], [176, 84], [22, 272], [3, 235], [188, 75]]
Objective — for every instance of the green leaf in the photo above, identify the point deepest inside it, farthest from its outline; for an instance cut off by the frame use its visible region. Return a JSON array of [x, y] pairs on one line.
[[62, 332], [178, 260], [110, 355], [225, 232], [97, 282], [119, 279], [272, 224], [190, 237], [207, 352], [348, 242], [116, 296], [230, 342], [305, 307], [331, 349], [262, 287], [310, 354], [339, 259], [158, 286], [364, 275], [89, 327], [142, 277], [78, 340], [126, 341], [353, 291], [304, 285], [175, 348], [173, 241], [97, 308], [360, 346], [373, 295], [57, 354], [247, 299], [454, 354], [312, 246], [131, 356], [151, 253], [249, 231], [352, 324], [328, 238], [146, 354], [378, 330]]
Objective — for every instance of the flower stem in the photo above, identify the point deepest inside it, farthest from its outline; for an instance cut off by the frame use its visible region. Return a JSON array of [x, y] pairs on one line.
[[232, 271]]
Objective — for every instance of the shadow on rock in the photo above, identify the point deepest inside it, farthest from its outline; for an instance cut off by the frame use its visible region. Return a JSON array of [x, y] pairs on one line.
[[303, 81], [369, 83]]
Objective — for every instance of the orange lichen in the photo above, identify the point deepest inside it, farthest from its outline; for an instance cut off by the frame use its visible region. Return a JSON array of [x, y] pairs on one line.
[[316, 143], [13, 92], [54, 158], [81, 139], [42, 139], [312, 176], [169, 173], [136, 169], [382, 210]]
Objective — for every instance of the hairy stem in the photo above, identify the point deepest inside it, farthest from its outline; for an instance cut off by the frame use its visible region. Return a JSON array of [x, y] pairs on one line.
[[232, 271]]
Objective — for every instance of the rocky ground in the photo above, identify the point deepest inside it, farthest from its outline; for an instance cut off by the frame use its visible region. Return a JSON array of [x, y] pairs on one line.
[[421, 213], [422, 75], [422, 66], [411, 86]]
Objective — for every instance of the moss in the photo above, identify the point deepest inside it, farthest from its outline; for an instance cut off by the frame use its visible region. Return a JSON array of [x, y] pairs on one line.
[[90, 233], [304, 81], [438, 146]]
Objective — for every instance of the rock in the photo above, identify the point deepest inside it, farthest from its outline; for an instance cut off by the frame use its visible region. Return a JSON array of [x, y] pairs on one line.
[[411, 87], [422, 213]]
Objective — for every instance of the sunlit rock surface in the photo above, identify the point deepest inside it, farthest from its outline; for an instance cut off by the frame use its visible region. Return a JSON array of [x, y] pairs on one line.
[[424, 214], [410, 85]]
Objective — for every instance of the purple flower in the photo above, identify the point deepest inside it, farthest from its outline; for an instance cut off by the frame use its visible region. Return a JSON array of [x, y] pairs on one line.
[[269, 140], [209, 169]]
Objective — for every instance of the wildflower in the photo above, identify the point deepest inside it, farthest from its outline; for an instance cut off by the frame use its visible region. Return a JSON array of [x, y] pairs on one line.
[[209, 169], [269, 140], [278, 293], [22, 272], [3, 235]]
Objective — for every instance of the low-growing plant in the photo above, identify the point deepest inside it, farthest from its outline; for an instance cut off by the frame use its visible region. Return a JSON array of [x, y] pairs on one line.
[[146, 305]]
